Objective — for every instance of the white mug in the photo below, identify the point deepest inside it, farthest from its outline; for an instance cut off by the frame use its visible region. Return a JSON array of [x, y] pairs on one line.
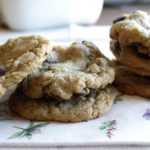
[[35, 14], [0, 13]]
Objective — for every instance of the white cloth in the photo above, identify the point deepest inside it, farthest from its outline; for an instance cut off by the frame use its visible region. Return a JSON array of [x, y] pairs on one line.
[[130, 114], [131, 128]]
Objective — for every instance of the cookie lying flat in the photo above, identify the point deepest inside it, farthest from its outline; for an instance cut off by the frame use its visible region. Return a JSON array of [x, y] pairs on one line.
[[129, 56], [78, 108], [133, 29], [132, 84], [19, 57], [69, 71]]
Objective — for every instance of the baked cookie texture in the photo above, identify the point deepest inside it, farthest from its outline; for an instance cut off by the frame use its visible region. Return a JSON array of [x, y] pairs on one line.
[[78, 108], [70, 70], [131, 58], [130, 83], [133, 29], [19, 57], [131, 46], [131, 43], [71, 85]]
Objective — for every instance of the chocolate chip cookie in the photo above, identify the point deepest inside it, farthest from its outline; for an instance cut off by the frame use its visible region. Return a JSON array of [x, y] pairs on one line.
[[131, 58], [70, 70], [133, 30], [132, 84], [78, 108], [19, 57]]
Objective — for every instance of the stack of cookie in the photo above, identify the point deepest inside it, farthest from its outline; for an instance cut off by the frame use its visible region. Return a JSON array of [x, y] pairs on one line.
[[66, 84], [131, 45]]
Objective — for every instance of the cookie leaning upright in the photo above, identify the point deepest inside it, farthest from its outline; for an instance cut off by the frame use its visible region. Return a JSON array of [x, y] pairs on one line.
[[19, 57]]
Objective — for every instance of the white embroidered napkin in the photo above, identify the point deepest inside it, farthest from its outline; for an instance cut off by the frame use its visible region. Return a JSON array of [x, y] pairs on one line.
[[128, 122]]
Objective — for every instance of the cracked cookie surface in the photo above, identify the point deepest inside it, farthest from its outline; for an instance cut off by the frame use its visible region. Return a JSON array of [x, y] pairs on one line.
[[70, 70], [133, 29], [19, 57]]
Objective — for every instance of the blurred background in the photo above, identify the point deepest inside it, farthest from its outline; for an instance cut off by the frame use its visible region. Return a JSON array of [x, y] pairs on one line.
[[114, 8], [65, 21], [44, 14]]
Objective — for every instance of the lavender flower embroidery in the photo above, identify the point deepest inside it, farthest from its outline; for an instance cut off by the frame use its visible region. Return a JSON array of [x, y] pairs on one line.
[[109, 126], [146, 115]]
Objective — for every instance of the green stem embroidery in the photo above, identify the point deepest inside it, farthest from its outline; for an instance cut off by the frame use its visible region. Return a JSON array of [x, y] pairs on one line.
[[109, 126], [27, 132]]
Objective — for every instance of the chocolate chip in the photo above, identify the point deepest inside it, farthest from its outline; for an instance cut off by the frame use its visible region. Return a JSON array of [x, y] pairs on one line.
[[134, 48], [135, 45], [84, 42], [2, 71], [52, 97], [117, 46], [119, 19], [143, 56]]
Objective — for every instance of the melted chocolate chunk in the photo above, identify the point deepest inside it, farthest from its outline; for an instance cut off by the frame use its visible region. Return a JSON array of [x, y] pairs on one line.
[[117, 46], [53, 97], [2, 71], [143, 56], [84, 42], [140, 55], [140, 48], [119, 19], [94, 92], [75, 97], [135, 45]]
